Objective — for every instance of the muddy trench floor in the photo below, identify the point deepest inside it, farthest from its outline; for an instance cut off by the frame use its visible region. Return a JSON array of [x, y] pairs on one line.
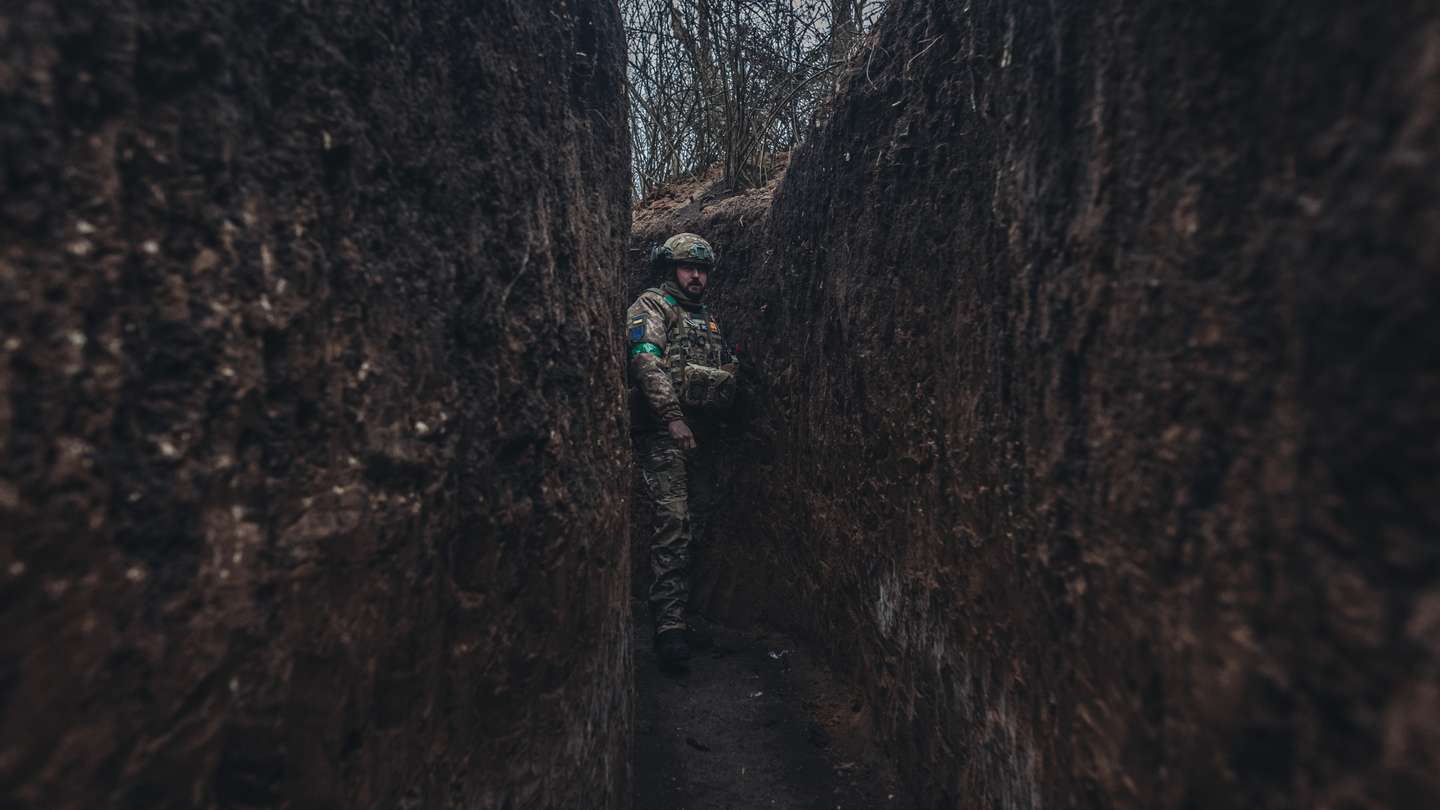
[[755, 721]]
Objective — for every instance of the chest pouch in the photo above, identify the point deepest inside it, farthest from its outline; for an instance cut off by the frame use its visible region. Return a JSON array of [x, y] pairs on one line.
[[706, 387]]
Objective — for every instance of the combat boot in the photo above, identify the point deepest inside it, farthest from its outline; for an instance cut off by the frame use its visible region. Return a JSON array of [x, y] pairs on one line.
[[670, 646]]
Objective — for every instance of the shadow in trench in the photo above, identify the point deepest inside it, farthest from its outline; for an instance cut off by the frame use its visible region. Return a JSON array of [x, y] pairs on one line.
[[755, 722]]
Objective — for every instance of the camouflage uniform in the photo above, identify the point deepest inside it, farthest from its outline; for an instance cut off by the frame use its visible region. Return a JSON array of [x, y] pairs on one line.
[[684, 370]]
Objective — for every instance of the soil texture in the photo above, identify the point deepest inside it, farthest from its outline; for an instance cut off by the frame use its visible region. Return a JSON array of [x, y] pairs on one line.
[[1089, 430], [753, 722], [311, 418]]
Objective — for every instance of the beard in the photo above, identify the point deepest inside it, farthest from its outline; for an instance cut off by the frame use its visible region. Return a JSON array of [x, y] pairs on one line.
[[694, 289]]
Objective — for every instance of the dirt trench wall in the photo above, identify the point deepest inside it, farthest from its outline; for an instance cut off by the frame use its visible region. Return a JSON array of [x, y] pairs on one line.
[[309, 407], [1097, 353]]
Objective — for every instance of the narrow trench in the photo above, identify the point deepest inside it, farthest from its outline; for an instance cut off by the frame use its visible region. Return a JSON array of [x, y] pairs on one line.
[[1106, 445], [756, 721]]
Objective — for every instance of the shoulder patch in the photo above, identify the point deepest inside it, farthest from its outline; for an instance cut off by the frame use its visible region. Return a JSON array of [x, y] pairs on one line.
[[637, 333]]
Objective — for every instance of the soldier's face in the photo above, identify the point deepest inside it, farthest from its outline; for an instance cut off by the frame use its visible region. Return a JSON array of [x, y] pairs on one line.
[[691, 278]]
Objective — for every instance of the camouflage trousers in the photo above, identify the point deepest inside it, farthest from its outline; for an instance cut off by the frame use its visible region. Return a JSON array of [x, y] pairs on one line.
[[682, 489]]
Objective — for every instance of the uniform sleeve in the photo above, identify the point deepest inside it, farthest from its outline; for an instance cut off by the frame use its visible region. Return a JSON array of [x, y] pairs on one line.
[[645, 331]]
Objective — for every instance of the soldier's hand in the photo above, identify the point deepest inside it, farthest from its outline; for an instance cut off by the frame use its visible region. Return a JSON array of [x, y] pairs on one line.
[[680, 432]]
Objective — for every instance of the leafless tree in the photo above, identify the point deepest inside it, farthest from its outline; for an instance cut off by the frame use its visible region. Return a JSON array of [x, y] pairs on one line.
[[732, 82]]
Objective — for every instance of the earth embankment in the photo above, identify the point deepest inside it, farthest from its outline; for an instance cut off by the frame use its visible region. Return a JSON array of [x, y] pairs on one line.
[[1091, 428], [309, 411]]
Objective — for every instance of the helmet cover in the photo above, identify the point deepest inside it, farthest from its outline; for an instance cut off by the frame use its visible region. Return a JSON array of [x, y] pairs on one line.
[[685, 248]]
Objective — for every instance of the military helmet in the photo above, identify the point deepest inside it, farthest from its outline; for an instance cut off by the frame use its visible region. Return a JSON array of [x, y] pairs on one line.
[[685, 248]]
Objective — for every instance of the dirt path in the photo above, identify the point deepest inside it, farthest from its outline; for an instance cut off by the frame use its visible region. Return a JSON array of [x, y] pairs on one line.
[[754, 722]]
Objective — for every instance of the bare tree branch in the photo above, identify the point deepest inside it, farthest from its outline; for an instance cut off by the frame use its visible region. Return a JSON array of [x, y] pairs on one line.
[[731, 81]]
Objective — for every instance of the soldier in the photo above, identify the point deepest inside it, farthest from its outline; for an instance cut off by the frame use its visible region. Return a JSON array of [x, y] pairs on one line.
[[685, 373]]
